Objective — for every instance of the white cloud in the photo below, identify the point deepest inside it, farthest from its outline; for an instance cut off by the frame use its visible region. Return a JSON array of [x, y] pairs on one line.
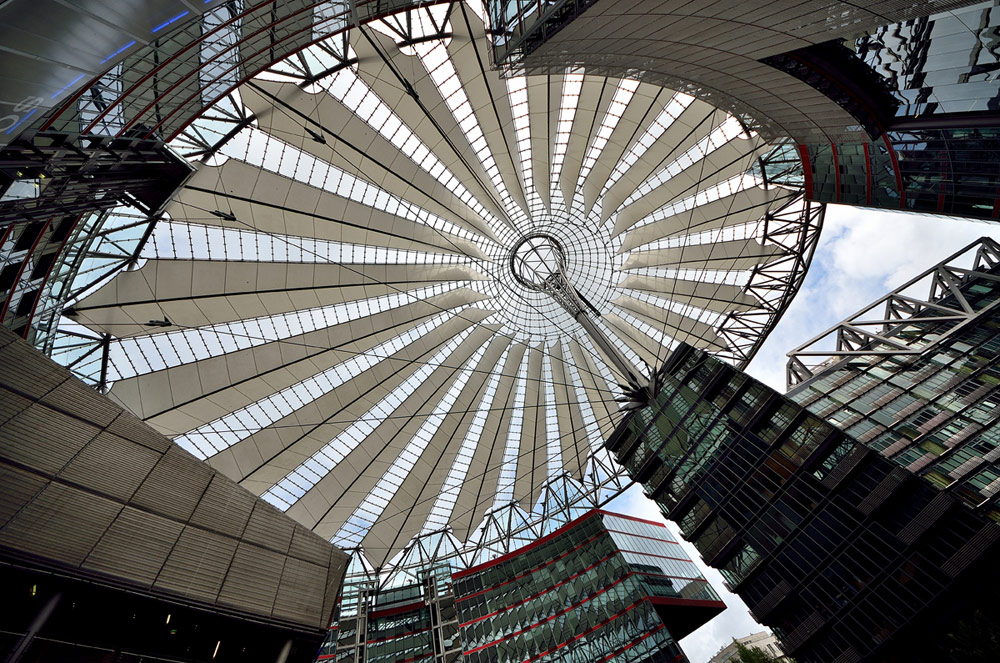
[[862, 255]]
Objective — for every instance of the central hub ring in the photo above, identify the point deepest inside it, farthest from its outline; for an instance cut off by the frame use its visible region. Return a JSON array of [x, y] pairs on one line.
[[537, 258]]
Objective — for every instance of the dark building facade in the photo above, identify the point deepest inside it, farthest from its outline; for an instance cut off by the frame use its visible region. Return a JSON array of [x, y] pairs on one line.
[[925, 390], [837, 549], [603, 587], [116, 544]]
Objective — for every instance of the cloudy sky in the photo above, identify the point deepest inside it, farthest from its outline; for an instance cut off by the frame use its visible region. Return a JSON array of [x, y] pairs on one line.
[[861, 256]]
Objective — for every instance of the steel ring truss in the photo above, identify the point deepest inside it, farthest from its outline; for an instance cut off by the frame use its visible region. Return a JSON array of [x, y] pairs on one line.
[[341, 330]]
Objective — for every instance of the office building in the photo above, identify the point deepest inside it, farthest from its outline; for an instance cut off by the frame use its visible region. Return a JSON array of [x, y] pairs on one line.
[[601, 587], [845, 554], [915, 376]]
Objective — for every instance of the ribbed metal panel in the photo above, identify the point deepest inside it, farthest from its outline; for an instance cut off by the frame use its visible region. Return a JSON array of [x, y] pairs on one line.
[[802, 632], [119, 500], [135, 547], [883, 490], [11, 405], [974, 548], [307, 546], [61, 523], [849, 655], [844, 467], [927, 516], [132, 463], [132, 428], [269, 528], [19, 488], [769, 602], [74, 396], [175, 485], [224, 508], [300, 597], [197, 565], [34, 383], [54, 438], [252, 580]]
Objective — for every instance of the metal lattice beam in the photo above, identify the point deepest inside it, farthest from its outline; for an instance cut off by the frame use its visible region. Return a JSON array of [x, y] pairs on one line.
[[894, 325]]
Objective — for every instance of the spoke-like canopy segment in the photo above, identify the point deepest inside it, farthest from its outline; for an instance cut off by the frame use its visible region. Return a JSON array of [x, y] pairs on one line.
[[340, 309]]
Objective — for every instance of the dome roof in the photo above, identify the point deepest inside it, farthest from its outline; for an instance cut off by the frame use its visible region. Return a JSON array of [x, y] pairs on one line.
[[346, 318]]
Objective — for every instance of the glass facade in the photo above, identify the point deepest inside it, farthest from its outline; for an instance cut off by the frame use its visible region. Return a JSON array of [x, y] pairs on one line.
[[939, 64], [927, 94], [603, 587], [409, 623], [936, 414], [950, 171], [841, 552], [521, 26]]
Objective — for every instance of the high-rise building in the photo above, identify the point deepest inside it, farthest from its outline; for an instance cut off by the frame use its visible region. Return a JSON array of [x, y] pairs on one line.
[[844, 553], [603, 587], [915, 375]]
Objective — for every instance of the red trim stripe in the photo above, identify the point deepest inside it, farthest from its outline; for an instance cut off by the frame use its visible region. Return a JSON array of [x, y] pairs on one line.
[[657, 601], [589, 631], [868, 175], [5, 307], [529, 571], [895, 169], [807, 173], [572, 550], [836, 168], [541, 593], [632, 644], [558, 614], [396, 637], [389, 612], [549, 589]]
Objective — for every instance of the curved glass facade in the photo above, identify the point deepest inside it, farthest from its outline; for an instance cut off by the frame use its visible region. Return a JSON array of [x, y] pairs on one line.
[[602, 587]]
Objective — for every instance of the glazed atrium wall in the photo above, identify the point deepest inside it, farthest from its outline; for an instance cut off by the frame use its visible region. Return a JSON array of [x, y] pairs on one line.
[[925, 92], [829, 535], [603, 587]]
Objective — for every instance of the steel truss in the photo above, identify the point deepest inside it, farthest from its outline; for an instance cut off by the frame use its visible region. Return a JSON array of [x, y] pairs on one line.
[[505, 529], [795, 228], [896, 324], [199, 125]]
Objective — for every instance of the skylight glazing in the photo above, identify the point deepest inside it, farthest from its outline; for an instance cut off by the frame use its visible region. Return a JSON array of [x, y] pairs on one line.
[[328, 312]]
